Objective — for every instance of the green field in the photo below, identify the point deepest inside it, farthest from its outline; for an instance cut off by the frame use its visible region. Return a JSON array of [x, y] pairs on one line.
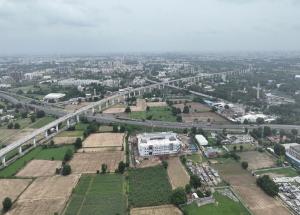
[[97, 195], [223, 205], [197, 158], [81, 126], [37, 153], [149, 186], [76, 133], [287, 172], [157, 113], [42, 122]]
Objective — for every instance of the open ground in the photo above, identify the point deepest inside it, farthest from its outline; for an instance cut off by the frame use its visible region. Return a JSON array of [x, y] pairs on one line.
[[98, 194], [12, 188], [38, 168], [156, 210], [203, 117], [194, 107], [90, 162], [177, 173], [104, 140], [244, 184], [257, 160], [46, 195]]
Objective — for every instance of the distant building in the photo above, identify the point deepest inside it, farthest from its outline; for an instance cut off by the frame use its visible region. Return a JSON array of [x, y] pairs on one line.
[[293, 153], [163, 143], [54, 97], [201, 140]]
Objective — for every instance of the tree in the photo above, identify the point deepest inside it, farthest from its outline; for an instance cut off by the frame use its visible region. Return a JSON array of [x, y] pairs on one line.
[[51, 142], [103, 168], [66, 170], [241, 148], [268, 185], [194, 130], [78, 143], [24, 115], [294, 132], [17, 126], [165, 164], [178, 196], [10, 125], [127, 109], [245, 164], [195, 181], [40, 114], [68, 155], [260, 120], [186, 109], [32, 118], [279, 149], [188, 188], [7, 203], [267, 131], [121, 167], [179, 118], [147, 108], [234, 148]]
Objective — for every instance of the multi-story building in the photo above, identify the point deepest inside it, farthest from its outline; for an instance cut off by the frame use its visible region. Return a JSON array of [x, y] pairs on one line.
[[163, 143], [293, 153]]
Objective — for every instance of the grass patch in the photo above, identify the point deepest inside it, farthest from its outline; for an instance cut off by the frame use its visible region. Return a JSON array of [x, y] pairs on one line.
[[76, 133], [37, 153], [81, 126], [223, 205], [42, 122], [195, 158], [287, 172], [149, 186], [98, 194], [104, 128], [156, 113], [246, 147]]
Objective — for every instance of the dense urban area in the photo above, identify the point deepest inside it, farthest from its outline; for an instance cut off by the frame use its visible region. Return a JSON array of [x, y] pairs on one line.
[[143, 134]]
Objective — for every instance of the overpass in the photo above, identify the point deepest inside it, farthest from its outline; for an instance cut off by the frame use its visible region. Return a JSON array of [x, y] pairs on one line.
[[99, 105]]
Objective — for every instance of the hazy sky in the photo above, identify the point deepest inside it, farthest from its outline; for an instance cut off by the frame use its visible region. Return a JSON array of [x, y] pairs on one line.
[[97, 26]]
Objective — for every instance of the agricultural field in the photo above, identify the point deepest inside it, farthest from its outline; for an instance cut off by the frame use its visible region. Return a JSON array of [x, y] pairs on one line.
[[244, 185], [38, 168], [204, 117], [98, 194], [194, 107], [45, 195], [246, 147], [157, 113], [40, 122], [90, 162], [278, 172], [104, 140], [12, 188], [223, 205], [257, 160], [11, 135], [67, 137], [157, 104], [156, 210], [149, 187], [37, 153], [105, 128], [177, 173], [197, 158]]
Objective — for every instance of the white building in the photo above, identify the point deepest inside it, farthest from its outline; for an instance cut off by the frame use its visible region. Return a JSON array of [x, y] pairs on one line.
[[54, 97], [201, 140], [163, 143]]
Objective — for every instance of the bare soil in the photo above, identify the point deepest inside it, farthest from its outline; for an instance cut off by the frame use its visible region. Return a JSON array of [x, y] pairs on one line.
[[156, 210], [177, 174], [257, 160], [12, 188], [38, 168], [104, 140]]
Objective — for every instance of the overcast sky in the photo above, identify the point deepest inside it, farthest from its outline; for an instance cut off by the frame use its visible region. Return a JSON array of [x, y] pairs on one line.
[[98, 26]]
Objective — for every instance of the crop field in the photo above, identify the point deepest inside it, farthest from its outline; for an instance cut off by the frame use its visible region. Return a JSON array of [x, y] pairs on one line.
[[278, 172], [177, 173], [11, 135], [157, 104], [37, 153], [97, 195], [156, 210], [46, 195], [223, 205], [104, 140], [203, 117], [38, 168], [5, 134], [257, 160], [194, 107], [246, 147], [149, 187], [90, 162], [157, 113], [12, 188], [64, 140], [42, 122], [244, 184], [105, 128]]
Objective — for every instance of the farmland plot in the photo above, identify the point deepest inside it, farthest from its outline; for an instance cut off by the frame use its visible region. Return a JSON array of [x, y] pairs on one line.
[[12, 188], [177, 174]]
